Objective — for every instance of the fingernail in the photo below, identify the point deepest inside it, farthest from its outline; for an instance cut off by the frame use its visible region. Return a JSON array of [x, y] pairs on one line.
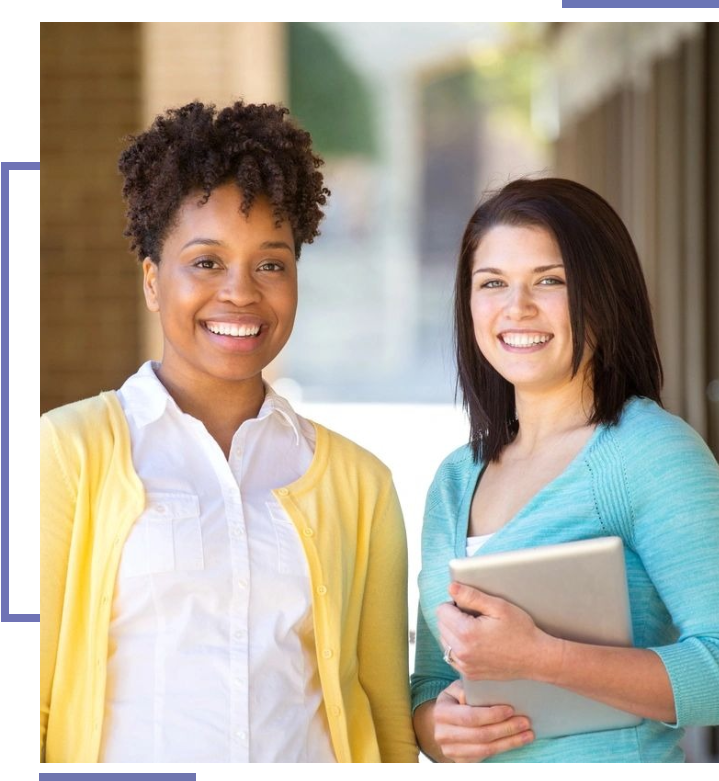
[[453, 588], [527, 737]]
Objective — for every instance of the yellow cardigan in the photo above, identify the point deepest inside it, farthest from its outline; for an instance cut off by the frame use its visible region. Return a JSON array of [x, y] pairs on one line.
[[349, 521]]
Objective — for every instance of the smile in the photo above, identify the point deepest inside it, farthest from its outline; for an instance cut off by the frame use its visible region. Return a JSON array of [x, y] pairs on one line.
[[235, 338], [232, 329], [524, 340]]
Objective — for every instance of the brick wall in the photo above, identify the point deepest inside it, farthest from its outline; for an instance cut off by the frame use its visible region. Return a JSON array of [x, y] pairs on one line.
[[90, 98]]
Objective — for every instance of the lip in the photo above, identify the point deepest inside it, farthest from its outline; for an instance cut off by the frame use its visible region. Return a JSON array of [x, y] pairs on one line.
[[237, 344], [535, 348], [236, 319]]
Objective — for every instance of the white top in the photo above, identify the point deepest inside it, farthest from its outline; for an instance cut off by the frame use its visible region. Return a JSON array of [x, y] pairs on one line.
[[475, 543], [211, 653]]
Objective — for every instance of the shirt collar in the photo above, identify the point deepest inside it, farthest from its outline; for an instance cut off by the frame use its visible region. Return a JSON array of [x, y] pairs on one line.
[[147, 400]]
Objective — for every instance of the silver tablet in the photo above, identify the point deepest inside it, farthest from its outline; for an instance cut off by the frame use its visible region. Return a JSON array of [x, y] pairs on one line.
[[574, 590]]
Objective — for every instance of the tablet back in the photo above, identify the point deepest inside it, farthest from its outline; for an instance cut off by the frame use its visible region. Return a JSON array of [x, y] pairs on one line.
[[574, 590]]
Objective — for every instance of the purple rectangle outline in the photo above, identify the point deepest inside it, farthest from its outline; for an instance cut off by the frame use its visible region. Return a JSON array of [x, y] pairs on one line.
[[687, 4], [100, 776], [5, 614]]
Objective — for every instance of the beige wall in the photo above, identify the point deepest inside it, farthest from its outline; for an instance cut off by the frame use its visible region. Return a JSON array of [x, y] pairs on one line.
[[647, 142]]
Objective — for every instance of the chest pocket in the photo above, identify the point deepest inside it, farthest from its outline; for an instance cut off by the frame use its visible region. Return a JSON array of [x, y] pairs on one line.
[[165, 538], [290, 554]]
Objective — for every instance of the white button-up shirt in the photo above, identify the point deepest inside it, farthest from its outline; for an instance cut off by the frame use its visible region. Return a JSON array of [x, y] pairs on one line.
[[211, 652]]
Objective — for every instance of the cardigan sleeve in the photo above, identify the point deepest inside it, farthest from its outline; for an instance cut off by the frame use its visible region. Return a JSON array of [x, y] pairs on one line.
[[672, 482], [382, 641], [57, 508]]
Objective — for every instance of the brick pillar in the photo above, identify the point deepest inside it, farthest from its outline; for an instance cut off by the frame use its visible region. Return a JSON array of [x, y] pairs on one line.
[[90, 98]]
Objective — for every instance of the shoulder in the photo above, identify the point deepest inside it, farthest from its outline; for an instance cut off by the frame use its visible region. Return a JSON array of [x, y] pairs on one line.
[[647, 434], [346, 454], [85, 424], [450, 480]]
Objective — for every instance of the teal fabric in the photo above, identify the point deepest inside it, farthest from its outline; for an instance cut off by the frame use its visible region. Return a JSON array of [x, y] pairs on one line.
[[650, 480]]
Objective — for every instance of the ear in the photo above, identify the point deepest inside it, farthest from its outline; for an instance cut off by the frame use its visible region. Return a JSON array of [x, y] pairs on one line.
[[150, 271]]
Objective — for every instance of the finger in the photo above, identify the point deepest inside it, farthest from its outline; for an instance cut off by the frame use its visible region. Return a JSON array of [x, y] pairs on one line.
[[451, 734], [467, 752], [468, 598], [450, 712], [451, 619]]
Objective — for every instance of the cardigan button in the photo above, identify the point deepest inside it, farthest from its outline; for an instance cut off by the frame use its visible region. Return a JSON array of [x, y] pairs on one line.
[[283, 492], [327, 653], [321, 590], [307, 531], [335, 709]]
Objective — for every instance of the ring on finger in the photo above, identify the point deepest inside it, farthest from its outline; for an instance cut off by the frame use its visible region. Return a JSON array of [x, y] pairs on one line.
[[448, 655]]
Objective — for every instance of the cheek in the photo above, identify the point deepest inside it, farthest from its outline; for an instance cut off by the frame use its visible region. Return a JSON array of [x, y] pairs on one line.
[[481, 317]]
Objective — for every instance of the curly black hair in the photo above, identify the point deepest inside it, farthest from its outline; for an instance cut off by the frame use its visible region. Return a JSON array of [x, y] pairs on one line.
[[197, 148]]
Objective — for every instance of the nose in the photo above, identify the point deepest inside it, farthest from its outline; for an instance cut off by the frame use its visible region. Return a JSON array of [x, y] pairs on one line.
[[239, 287], [520, 303]]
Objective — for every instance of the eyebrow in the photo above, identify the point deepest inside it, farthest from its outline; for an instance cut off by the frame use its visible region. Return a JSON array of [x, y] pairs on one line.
[[537, 270], [217, 243]]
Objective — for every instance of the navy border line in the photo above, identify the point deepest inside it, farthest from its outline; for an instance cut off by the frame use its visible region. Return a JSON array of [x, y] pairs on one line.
[[684, 4], [100, 776]]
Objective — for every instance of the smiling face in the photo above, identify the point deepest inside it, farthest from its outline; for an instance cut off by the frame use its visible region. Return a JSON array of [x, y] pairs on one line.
[[520, 308], [225, 289]]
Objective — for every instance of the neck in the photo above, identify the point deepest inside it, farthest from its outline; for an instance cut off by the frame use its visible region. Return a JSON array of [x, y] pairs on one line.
[[221, 405], [543, 416]]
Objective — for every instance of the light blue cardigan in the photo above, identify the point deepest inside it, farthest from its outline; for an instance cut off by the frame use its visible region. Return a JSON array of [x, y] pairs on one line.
[[652, 481]]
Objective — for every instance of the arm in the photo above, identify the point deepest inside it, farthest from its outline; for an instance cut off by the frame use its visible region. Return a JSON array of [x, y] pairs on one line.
[[57, 508], [447, 729], [673, 485], [671, 520], [382, 643], [503, 643]]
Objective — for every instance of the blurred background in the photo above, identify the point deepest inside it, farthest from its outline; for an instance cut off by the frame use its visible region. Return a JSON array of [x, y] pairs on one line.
[[415, 121]]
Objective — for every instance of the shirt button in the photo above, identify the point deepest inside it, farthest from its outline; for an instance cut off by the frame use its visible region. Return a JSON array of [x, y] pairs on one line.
[[335, 710], [283, 492], [242, 583], [161, 509], [242, 735], [307, 531], [322, 590], [327, 653]]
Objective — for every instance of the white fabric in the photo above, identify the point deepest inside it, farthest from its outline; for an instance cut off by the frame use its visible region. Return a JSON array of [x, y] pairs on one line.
[[475, 543], [211, 653]]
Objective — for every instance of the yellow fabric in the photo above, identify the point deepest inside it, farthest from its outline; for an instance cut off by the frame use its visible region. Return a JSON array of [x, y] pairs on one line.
[[346, 512]]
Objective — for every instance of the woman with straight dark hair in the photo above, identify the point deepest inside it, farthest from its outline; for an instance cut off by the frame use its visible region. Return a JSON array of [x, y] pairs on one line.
[[560, 374]]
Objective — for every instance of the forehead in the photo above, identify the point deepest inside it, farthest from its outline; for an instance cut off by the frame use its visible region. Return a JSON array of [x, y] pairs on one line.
[[517, 246], [221, 216]]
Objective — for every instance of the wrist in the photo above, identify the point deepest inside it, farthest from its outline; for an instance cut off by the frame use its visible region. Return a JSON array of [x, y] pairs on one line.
[[550, 659]]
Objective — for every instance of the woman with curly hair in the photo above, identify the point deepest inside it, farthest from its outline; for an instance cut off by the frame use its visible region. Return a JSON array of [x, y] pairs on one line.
[[222, 580]]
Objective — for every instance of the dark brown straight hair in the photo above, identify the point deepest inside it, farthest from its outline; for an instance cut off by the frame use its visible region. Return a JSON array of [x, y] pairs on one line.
[[608, 306]]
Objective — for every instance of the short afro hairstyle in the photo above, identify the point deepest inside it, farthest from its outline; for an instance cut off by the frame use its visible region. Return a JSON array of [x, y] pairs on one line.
[[196, 148]]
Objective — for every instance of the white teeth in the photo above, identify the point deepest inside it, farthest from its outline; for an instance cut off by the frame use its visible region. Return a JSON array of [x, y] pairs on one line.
[[232, 329], [524, 340]]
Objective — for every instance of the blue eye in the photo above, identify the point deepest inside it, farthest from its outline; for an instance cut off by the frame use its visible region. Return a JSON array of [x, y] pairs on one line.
[[492, 283], [551, 281]]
